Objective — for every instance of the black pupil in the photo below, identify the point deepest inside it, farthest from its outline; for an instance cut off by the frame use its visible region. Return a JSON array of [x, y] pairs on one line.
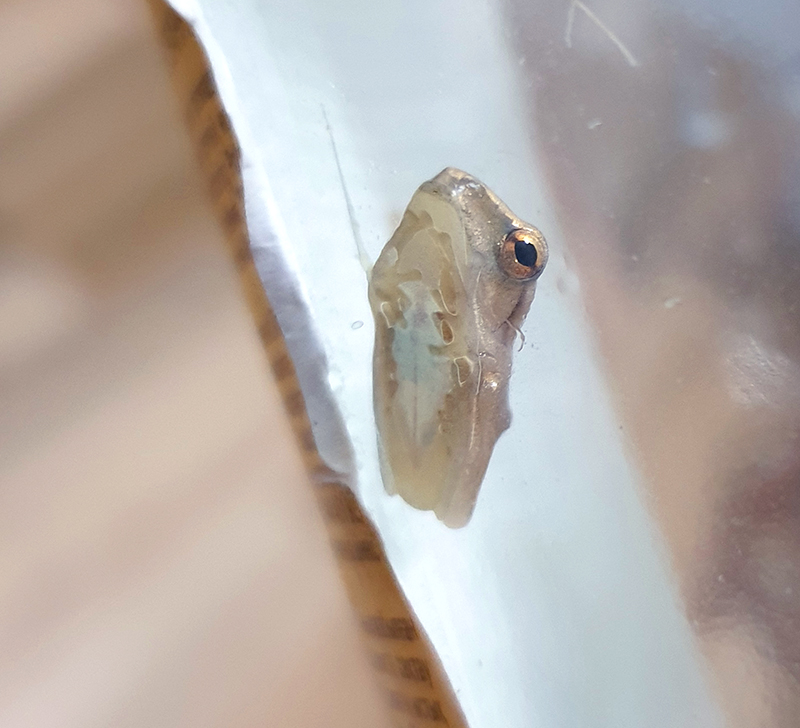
[[526, 253]]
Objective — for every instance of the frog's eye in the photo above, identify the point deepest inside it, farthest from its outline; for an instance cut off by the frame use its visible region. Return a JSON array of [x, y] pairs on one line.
[[523, 254]]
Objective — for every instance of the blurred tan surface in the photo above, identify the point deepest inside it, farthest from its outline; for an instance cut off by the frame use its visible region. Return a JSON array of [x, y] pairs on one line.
[[162, 560]]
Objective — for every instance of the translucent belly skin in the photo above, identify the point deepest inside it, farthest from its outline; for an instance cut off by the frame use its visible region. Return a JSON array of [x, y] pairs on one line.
[[445, 321]]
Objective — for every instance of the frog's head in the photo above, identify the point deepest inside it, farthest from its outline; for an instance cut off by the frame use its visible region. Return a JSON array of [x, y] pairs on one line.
[[501, 257]]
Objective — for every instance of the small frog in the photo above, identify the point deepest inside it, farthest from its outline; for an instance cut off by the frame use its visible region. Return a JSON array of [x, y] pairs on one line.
[[449, 293]]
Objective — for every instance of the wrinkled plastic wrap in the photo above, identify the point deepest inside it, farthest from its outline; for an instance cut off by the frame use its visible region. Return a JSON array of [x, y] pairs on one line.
[[630, 561]]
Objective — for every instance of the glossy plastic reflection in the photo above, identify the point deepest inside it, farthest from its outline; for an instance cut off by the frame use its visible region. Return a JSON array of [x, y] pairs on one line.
[[672, 145]]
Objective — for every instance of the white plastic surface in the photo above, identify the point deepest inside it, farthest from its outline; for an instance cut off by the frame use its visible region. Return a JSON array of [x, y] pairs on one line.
[[555, 605]]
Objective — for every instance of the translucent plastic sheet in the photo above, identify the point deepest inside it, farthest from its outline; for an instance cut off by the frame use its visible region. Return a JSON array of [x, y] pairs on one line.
[[633, 558]]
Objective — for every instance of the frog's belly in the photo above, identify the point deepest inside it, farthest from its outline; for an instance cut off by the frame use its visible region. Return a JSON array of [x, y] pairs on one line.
[[422, 371], [420, 377]]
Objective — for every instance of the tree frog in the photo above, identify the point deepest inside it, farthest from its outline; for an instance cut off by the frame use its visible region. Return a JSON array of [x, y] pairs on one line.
[[449, 293]]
